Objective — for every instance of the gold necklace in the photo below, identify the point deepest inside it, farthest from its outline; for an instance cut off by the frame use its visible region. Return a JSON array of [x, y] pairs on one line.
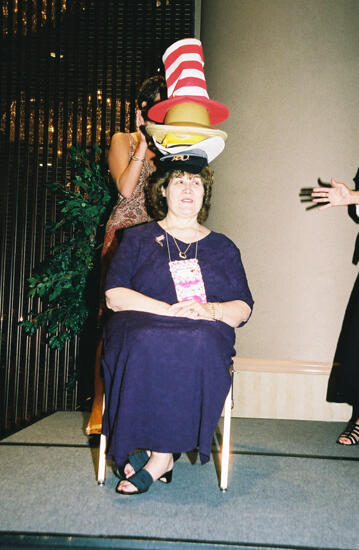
[[181, 254]]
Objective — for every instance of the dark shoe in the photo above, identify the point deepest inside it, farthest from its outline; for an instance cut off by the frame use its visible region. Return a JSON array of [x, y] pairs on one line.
[[351, 433], [138, 461], [167, 477], [118, 471], [142, 480]]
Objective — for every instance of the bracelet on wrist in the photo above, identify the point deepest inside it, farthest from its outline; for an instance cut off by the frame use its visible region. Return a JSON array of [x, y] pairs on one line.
[[138, 159], [219, 311], [216, 311], [212, 310]]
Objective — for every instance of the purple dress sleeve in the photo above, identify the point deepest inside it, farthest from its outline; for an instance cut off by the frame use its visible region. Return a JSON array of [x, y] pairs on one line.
[[123, 263], [230, 277]]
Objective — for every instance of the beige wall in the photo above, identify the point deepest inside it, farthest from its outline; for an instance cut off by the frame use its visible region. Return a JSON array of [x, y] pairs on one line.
[[289, 72]]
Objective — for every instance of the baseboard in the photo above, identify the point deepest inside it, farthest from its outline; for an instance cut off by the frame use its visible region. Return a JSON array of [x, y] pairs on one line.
[[284, 389], [245, 364]]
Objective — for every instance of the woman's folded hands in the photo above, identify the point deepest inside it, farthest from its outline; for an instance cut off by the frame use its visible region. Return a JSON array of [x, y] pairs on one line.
[[232, 313], [192, 310]]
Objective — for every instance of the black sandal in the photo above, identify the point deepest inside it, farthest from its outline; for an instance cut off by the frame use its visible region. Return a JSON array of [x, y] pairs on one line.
[[142, 480], [352, 433], [138, 461]]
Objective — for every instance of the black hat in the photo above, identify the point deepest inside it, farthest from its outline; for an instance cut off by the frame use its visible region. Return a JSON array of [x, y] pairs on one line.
[[192, 161]]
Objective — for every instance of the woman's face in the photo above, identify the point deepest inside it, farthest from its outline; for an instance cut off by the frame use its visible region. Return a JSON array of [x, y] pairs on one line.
[[184, 194]]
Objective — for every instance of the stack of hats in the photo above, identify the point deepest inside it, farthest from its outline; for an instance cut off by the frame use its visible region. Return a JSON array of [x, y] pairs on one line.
[[185, 135]]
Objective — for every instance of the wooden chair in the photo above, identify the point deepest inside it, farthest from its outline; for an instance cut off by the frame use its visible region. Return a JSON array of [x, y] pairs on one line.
[[223, 485]]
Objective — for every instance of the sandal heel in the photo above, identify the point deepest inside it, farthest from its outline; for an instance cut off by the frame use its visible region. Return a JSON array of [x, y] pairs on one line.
[[167, 477]]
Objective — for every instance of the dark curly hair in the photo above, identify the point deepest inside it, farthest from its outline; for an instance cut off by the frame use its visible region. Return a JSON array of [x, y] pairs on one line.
[[161, 180], [148, 92]]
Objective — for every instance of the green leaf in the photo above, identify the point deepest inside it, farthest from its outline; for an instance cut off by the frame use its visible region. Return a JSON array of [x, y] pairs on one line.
[[60, 281]]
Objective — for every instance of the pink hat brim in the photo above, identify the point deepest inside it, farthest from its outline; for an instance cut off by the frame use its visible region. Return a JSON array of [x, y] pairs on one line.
[[217, 111]]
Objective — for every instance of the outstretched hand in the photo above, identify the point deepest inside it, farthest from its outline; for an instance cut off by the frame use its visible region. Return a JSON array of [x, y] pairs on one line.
[[336, 195]]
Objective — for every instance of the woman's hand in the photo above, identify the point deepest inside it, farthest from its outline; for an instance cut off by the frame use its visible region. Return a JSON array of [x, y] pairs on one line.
[[232, 313], [140, 125], [336, 195], [191, 309]]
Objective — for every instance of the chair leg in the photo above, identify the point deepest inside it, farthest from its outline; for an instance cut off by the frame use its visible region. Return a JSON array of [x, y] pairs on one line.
[[94, 425], [225, 442], [101, 471]]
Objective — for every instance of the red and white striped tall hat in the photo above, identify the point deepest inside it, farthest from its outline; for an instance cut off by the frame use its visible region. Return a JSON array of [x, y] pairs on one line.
[[186, 82]]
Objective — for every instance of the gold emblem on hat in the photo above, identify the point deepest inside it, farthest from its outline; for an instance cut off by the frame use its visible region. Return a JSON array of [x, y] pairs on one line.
[[180, 157]]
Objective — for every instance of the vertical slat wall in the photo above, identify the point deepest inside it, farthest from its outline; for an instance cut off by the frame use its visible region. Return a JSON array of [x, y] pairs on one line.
[[69, 74]]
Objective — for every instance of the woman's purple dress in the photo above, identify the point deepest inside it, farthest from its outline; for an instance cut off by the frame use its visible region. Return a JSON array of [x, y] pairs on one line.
[[166, 378]]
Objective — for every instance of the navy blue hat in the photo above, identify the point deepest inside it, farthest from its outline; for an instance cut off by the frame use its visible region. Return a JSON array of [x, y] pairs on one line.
[[192, 161]]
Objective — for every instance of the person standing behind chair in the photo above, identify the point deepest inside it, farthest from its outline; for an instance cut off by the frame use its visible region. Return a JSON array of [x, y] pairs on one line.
[[130, 161], [343, 385]]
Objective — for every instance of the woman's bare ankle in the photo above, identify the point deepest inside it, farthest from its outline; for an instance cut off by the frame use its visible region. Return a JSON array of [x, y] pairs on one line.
[[159, 464]]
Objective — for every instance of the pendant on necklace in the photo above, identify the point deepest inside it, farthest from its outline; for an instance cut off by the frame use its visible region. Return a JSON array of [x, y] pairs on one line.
[[182, 255]]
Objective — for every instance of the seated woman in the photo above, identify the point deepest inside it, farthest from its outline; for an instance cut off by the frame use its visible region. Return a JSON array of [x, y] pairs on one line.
[[178, 290]]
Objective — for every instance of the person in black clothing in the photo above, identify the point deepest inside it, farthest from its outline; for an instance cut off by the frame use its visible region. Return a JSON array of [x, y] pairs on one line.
[[343, 385]]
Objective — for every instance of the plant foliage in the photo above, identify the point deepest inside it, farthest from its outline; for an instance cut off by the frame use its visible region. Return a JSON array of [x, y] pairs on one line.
[[61, 279]]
